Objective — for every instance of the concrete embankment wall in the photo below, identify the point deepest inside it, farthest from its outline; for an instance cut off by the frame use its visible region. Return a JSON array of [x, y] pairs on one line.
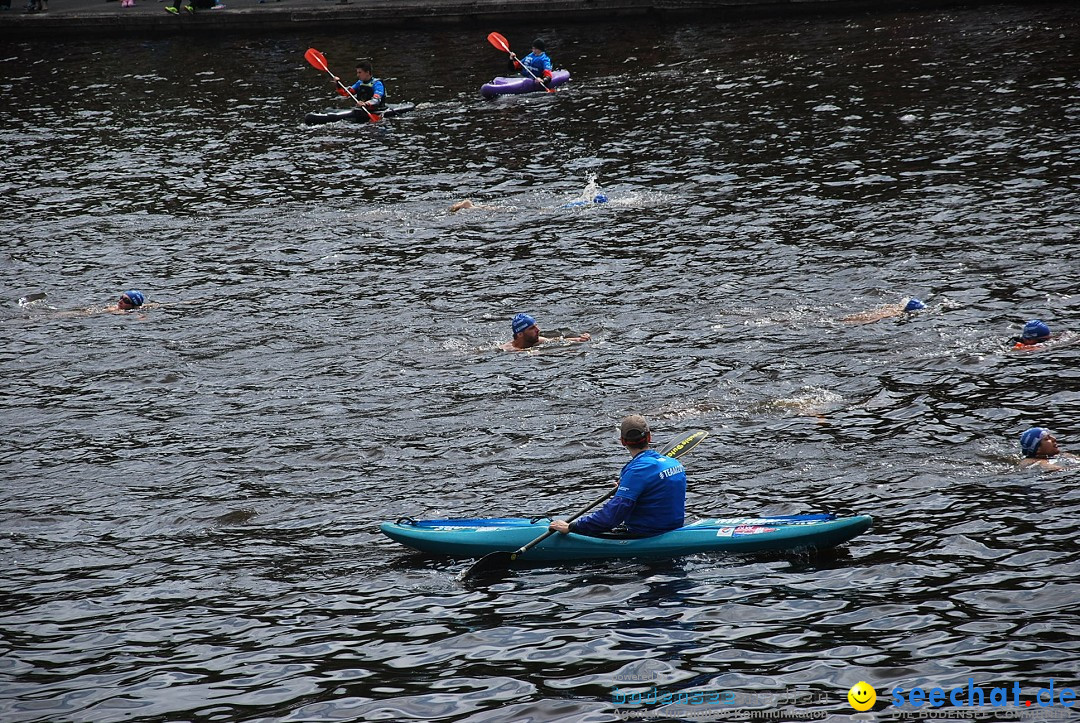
[[91, 18]]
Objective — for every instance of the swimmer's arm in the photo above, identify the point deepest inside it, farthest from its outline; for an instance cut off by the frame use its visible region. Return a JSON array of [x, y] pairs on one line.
[[865, 317], [1042, 464]]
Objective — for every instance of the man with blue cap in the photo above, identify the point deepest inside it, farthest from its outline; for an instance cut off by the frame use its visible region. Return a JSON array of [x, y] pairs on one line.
[[1039, 447], [1035, 332], [527, 335]]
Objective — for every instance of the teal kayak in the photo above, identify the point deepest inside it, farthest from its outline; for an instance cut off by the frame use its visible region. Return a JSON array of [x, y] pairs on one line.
[[479, 537]]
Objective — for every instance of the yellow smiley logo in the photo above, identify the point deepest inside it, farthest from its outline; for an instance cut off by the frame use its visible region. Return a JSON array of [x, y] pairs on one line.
[[862, 696]]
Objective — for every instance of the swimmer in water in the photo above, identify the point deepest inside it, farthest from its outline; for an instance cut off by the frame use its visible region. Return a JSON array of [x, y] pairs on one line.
[[468, 204], [128, 301], [598, 198], [1040, 449], [1035, 333], [907, 306], [527, 335]]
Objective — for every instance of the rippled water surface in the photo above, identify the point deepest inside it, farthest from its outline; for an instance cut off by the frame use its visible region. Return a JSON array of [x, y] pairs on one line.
[[191, 495]]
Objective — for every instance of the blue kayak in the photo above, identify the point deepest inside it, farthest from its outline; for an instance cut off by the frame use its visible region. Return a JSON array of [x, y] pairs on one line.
[[521, 84], [479, 537]]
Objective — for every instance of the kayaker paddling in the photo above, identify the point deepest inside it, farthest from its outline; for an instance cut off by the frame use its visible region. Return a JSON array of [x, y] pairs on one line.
[[367, 90], [534, 65], [527, 335], [651, 496]]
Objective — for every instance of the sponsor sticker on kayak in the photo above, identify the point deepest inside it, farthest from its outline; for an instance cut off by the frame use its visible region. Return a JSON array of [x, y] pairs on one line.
[[743, 530], [764, 521]]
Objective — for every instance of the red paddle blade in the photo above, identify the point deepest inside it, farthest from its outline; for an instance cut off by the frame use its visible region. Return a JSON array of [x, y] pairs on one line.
[[499, 42], [317, 59]]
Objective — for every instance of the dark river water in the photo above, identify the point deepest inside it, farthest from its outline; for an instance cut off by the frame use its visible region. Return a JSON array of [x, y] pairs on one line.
[[191, 495]]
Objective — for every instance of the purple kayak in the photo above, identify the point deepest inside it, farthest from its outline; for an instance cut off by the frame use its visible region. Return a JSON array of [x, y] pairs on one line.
[[518, 84]]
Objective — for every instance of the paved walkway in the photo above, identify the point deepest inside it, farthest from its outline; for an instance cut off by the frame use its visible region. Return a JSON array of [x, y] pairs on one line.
[[148, 17]]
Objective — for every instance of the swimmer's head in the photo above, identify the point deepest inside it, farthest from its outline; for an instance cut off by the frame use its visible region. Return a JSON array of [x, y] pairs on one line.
[[521, 322], [1031, 439], [1035, 330], [130, 300], [599, 198], [914, 304]]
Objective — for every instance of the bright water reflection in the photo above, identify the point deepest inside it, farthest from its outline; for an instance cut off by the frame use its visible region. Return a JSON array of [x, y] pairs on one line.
[[190, 515]]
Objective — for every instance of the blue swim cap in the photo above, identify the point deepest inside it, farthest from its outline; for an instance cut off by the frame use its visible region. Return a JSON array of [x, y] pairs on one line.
[[600, 198], [1029, 440], [521, 322], [135, 297], [914, 305], [1035, 329]]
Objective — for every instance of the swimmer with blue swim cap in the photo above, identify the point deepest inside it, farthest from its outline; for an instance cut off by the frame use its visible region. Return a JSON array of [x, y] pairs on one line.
[[1039, 447], [907, 306], [598, 198], [527, 334], [130, 300], [1035, 332], [468, 204]]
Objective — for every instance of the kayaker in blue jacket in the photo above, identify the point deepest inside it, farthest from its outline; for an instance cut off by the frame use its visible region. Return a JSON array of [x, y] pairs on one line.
[[537, 61], [651, 497], [368, 89]]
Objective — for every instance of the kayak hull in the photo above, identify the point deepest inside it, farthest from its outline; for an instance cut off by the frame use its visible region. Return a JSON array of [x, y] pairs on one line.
[[474, 538], [355, 115], [518, 85]]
